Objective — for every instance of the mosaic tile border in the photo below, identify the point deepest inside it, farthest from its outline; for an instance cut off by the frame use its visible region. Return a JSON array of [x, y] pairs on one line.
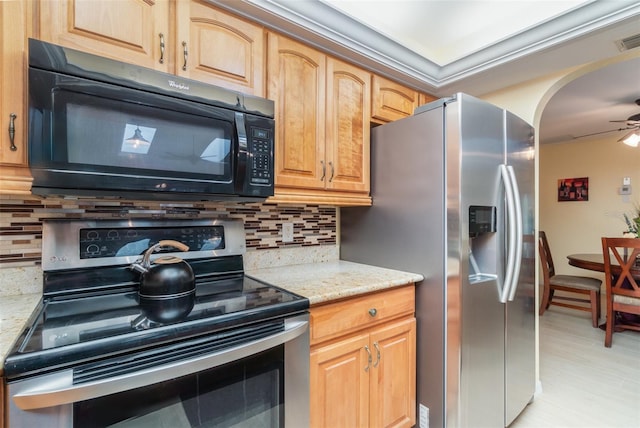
[[21, 221]]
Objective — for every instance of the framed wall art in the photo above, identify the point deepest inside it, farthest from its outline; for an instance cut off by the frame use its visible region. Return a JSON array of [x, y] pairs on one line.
[[573, 189]]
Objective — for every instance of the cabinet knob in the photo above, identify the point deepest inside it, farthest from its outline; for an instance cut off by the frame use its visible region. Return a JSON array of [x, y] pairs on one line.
[[373, 312]]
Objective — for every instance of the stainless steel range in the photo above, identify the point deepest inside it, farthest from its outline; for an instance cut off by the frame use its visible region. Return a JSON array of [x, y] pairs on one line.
[[96, 353]]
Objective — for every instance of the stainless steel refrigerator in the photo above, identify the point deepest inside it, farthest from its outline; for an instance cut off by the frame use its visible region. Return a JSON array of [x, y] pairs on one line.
[[453, 199]]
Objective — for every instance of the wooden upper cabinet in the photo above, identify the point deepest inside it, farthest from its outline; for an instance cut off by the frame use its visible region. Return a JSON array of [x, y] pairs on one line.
[[425, 98], [296, 82], [322, 125], [392, 101], [220, 49], [133, 31], [15, 177], [347, 127]]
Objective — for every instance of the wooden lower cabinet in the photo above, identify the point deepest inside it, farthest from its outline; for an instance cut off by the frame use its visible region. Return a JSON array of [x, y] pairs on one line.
[[363, 361]]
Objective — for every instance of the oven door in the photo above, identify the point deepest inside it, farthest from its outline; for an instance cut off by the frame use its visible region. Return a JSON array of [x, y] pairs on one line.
[[263, 382]]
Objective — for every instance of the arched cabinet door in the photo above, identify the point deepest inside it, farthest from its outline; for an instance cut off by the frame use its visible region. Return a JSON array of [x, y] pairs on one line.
[[133, 31], [215, 47], [296, 76], [347, 127]]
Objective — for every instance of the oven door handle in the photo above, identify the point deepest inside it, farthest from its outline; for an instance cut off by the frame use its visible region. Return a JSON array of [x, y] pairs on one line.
[[55, 390]]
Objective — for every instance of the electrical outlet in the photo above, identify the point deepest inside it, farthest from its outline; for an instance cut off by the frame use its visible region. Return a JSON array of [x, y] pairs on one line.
[[287, 232]]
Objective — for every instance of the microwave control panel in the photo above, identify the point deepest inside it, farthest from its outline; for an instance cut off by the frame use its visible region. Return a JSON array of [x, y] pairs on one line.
[[261, 147]]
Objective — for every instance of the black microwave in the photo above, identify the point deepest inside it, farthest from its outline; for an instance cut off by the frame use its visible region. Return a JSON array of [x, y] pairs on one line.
[[103, 128]]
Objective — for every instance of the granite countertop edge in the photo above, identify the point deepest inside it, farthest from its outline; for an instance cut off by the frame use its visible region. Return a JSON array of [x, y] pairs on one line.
[[319, 282], [15, 311], [328, 281]]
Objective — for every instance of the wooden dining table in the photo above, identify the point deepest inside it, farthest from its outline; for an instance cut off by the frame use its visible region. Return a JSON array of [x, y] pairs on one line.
[[595, 262]]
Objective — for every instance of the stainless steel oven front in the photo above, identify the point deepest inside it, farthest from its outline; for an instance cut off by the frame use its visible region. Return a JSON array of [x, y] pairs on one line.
[[264, 382], [240, 357]]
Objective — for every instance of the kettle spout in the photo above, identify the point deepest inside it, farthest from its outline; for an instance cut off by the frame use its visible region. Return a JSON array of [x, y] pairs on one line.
[[138, 267]]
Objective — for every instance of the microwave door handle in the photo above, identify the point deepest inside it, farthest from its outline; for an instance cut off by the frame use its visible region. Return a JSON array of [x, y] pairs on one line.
[[243, 152], [58, 390]]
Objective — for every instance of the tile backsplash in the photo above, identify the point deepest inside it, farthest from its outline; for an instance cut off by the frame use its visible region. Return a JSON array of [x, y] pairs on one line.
[[21, 221]]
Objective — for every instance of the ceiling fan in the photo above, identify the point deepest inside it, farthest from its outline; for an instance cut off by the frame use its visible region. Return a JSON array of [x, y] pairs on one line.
[[633, 122]]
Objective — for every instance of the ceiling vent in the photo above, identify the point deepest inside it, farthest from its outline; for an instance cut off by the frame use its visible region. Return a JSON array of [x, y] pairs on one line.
[[628, 43]]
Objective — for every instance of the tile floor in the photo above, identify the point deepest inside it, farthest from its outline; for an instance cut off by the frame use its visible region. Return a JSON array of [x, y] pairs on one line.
[[584, 384]]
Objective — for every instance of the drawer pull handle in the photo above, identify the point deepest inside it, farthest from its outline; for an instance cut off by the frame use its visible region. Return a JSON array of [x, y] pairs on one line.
[[369, 359], [373, 312], [375, 344], [324, 170]]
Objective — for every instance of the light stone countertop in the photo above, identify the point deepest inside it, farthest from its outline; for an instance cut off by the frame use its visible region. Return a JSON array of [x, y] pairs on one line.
[[14, 312], [319, 282], [323, 282]]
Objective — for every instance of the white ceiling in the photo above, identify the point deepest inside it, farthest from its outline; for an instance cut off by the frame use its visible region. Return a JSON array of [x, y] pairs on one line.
[[445, 31], [478, 46]]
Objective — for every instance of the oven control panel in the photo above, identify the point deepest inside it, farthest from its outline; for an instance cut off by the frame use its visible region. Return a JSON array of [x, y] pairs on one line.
[[121, 242], [82, 243]]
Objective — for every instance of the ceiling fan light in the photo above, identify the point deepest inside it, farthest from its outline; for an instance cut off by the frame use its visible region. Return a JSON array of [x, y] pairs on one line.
[[631, 139]]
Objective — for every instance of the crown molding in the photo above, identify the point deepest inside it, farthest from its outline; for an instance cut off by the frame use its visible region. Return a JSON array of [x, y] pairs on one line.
[[321, 26]]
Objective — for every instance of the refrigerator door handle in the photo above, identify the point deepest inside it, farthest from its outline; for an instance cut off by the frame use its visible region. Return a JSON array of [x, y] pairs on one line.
[[512, 240], [519, 233]]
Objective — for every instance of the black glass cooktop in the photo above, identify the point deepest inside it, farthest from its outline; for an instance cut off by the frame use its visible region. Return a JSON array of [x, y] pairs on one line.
[[72, 329]]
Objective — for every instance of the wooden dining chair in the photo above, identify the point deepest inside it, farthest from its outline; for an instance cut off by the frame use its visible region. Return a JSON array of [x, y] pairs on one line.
[[584, 291], [623, 291]]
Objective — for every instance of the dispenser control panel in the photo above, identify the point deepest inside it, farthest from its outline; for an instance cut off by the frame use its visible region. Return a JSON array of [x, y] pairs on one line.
[[482, 219]]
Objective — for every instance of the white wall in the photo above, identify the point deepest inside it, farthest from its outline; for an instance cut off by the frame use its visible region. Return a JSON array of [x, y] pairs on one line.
[[576, 227]]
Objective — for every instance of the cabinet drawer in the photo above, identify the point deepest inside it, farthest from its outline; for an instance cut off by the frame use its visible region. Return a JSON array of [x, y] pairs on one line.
[[350, 315]]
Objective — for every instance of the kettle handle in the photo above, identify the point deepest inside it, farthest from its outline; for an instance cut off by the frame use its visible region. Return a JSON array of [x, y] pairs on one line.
[[165, 243], [170, 243]]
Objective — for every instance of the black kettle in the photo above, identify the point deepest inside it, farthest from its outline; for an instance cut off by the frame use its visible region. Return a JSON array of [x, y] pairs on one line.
[[167, 286]]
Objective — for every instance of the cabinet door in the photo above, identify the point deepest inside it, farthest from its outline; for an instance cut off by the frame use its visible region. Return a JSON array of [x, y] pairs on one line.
[[126, 30], [425, 98], [296, 82], [339, 380], [14, 174], [221, 49], [347, 132], [392, 101], [393, 379]]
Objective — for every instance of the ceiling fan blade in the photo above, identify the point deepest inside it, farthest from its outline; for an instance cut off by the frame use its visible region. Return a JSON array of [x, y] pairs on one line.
[[628, 122], [605, 132]]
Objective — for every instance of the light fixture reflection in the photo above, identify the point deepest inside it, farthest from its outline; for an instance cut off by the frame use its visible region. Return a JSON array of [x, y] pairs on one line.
[[631, 139], [137, 139], [133, 140]]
